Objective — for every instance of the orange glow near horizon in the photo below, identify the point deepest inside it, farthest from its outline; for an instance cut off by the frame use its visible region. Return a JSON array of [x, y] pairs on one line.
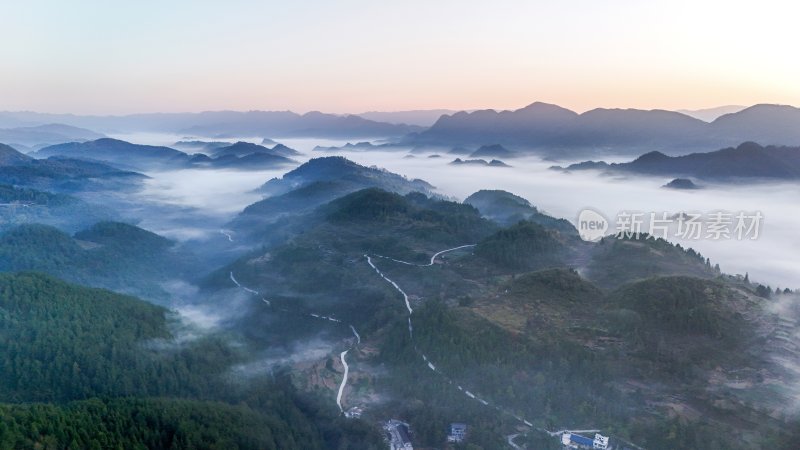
[[356, 56]]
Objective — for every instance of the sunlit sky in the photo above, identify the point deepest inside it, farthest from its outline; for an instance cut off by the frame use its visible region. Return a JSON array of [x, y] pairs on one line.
[[111, 57]]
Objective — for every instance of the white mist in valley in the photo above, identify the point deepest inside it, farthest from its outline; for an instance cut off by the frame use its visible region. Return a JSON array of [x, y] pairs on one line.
[[193, 204], [216, 196], [772, 258], [223, 191]]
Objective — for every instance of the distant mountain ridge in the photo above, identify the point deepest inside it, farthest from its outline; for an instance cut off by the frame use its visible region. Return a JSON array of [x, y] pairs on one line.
[[224, 123], [108, 149], [748, 160], [241, 155], [419, 117], [556, 130], [711, 114], [9, 156], [492, 151], [478, 162], [240, 149], [62, 174], [47, 134]]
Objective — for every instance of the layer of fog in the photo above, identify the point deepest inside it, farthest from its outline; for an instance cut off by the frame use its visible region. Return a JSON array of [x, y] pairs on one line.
[[200, 312], [308, 351], [304, 145], [785, 342], [194, 204], [217, 195], [772, 258]]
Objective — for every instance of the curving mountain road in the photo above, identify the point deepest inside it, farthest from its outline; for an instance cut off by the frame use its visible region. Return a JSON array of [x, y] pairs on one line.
[[510, 439], [227, 235], [428, 363], [344, 379], [247, 289], [405, 297], [342, 356], [433, 258], [425, 359]]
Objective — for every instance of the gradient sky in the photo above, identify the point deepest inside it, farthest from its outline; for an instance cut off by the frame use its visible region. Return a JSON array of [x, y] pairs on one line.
[[86, 56]]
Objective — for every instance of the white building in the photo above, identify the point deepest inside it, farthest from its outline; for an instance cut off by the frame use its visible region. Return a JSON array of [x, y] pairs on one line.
[[573, 440], [457, 433], [398, 435], [600, 441]]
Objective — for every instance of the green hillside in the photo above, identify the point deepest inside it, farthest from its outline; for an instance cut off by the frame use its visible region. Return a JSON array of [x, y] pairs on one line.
[[65, 345], [113, 255], [616, 261], [67, 342], [150, 424], [19, 205]]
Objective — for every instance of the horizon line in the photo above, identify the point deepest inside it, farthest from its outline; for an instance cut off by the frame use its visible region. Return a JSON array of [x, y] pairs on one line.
[[395, 111]]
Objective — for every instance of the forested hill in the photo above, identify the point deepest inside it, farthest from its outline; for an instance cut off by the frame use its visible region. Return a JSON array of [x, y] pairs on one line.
[[62, 174], [314, 184], [337, 168], [88, 342], [627, 335], [148, 157], [150, 424], [113, 255], [64, 343], [506, 208], [19, 205]]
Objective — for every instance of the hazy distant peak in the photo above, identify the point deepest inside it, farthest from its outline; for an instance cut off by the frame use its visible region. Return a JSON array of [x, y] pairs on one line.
[[284, 150], [711, 114], [761, 109], [239, 149], [653, 156], [9, 156], [749, 146], [63, 129], [332, 168], [248, 145], [493, 151], [542, 107], [493, 196], [536, 111], [641, 114], [421, 117], [747, 160]]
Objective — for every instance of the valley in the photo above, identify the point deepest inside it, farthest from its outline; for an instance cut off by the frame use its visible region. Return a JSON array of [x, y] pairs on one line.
[[335, 284], [517, 225]]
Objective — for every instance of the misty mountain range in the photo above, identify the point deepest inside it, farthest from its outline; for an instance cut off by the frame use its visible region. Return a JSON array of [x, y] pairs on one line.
[[711, 114], [61, 174], [222, 124], [521, 302], [559, 131], [420, 117], [241, 155], [34, 137], [748, 160], [538, 127]]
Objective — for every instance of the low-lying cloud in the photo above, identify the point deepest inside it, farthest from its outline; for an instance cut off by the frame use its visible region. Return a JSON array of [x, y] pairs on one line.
[[771, 259]]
